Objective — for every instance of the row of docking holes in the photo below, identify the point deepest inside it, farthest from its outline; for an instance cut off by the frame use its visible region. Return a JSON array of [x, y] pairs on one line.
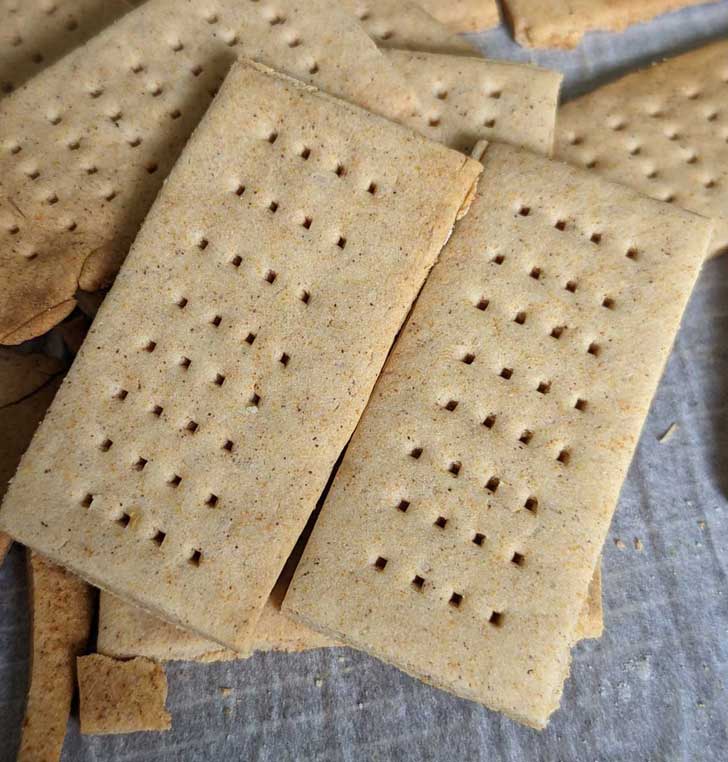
[[560, 224], [191, 426], [493, 483], [418, 583], [557, 332], [126, 521]]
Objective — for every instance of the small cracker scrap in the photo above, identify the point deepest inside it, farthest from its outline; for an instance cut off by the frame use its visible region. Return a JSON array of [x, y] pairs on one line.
[[61, 613], [36, 33], [406, 26], [660, 131], [562, 23], [462, 530], [465, 100], [27, 387], [86, 144], [121, 696], [463, 15]]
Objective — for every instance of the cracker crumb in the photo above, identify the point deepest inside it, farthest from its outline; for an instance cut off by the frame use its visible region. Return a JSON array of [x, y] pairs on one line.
[[619, 543], [667, 434], [225, 691], [318, 682], [638, 544], [701, 524]]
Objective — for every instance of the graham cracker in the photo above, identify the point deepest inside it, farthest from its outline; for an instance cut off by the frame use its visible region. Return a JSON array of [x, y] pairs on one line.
[[661, 131], [406, 26], [27, 386], [36, 33], [138, 473], [463, 528], [463, 15], [86, 145], [466, 99], [562, 23], [121, 696], [62, 609]]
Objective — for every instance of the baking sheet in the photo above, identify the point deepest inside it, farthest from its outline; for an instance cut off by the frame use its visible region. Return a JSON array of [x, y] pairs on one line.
[[655, 687]]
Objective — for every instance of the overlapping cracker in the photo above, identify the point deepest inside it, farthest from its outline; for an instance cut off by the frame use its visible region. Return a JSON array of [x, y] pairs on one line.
[[406, 26], [562, 23], [85, 145], [463, 15], [467, 99], [27, 386], [462, 530], [251, 319], [121, 696], [127, 631], [36, 33], [661, 131], [62, 609]]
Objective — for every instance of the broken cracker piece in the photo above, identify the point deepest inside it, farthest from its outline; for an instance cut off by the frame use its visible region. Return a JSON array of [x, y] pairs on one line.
[[86, 145], [562, 23], [659, 131], [121, 696], [61, 613], [152, 493], [464, 525]]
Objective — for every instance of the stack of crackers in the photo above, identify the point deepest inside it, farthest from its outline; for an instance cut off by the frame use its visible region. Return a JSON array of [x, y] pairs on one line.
[[373, 365]]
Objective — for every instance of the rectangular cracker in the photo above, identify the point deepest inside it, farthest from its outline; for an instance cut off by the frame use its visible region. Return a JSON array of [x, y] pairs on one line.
[[660, 131], [406, 26], [85, 145], [180, 471], [36, 33], [467, 99], [121, 696], [27, 385], [464, 525], [61, 613], [562, 23], [463, 15]]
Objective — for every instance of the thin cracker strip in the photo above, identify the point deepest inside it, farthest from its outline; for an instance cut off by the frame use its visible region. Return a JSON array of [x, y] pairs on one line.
[[121, 696], [406, 26], [85, 146], [462, 530], [466, 99], [562, 23], [180, 471], [62, 609], [36, 33], [27, 386], [659, 131], [463, 15]]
